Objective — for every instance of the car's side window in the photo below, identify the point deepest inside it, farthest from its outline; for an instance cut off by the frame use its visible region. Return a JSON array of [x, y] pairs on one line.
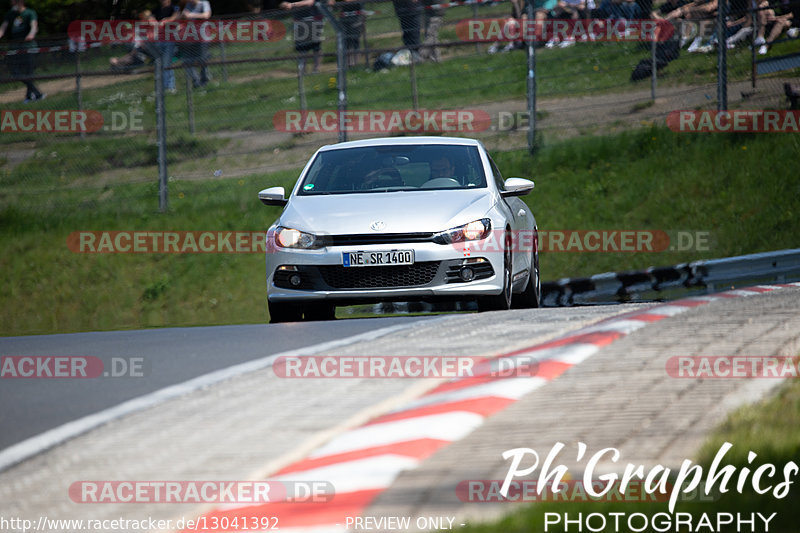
[[498, 178]]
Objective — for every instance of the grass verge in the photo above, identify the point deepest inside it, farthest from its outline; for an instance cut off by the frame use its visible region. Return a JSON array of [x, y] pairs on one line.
[[78, 159]]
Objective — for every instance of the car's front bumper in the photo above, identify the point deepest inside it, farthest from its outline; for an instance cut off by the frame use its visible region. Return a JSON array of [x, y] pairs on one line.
[[434, 275]]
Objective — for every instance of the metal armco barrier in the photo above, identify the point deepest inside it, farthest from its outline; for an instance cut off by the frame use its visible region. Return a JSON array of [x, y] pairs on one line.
[[663, 283]]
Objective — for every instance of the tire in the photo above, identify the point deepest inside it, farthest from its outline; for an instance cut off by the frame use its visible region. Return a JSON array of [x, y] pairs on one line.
[[531, 297], [502, 301], [319, 311], [284, 312]]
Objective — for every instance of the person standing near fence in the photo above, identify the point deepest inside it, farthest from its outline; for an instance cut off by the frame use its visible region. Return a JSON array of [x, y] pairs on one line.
[[196, 54], [352, 19], [408, 11], [307, 24], [433, 17], [24, 25], [167, 12]]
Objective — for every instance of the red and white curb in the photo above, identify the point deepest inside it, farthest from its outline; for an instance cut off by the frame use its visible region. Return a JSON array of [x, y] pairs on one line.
[[364, 461]]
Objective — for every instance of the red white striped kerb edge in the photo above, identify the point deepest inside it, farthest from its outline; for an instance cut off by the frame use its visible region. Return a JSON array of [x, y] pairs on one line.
[[363, 462]]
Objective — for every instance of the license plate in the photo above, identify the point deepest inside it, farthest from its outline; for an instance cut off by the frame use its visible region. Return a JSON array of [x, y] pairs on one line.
[[392, 257]]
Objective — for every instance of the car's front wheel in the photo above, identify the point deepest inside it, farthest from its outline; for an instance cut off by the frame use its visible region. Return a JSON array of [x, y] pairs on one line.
[[532, 295], [502, 301]]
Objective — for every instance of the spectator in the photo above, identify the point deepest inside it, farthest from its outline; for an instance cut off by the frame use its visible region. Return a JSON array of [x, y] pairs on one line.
[[631, 10], [261, 6], [662, 12], [742, 25], [433, 17], [645, 7], [517, 16], [24, 25], [544, 9], [196, 54], [669, 10], [140, 50], [408, 11], [307, 29], [619, 9], [167, 12], [767, 19], [698, 10], [572, 9], [790, 6], [352, 19]]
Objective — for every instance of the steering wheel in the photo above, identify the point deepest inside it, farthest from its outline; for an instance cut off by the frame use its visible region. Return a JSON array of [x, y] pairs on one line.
[[436, 183], [383, 177]]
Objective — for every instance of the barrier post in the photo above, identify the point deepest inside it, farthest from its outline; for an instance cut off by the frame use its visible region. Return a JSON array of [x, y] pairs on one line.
[[722, 56], [161, 127]]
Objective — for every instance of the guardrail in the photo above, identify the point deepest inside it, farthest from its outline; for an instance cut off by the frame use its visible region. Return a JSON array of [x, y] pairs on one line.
[[663, 283], [651, 284]]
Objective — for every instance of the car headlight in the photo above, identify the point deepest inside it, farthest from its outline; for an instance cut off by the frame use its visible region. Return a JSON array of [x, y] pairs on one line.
[[472, 231], [293, 238]]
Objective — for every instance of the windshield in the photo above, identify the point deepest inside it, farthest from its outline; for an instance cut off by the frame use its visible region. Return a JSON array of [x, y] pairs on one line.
[[394, 168]]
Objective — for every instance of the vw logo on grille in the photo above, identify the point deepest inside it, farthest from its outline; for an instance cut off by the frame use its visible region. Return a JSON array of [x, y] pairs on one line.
[[378, 225]]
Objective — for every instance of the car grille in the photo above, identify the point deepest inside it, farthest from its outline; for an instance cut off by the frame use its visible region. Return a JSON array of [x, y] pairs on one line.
[[340, 277], [378, 238]]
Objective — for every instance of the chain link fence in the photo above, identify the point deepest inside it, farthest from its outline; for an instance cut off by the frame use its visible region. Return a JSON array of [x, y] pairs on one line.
[[242, 109]]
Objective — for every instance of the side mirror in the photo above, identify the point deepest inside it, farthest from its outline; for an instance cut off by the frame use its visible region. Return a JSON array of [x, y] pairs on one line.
[[517, 187], [273, 196]]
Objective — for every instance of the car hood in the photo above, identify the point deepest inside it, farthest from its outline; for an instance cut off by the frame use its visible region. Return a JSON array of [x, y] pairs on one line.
[[401, 212]]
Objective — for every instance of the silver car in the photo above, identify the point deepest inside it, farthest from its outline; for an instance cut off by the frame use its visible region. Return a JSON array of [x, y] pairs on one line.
[[400, 219]]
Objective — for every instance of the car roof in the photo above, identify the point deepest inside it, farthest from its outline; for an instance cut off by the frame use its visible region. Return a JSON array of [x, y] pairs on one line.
[[382, 141]]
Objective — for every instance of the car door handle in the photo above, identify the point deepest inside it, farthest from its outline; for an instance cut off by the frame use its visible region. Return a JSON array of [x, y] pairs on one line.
[[521, 213]]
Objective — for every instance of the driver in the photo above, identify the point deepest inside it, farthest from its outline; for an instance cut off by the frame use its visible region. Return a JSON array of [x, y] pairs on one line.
[[442, 167]]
